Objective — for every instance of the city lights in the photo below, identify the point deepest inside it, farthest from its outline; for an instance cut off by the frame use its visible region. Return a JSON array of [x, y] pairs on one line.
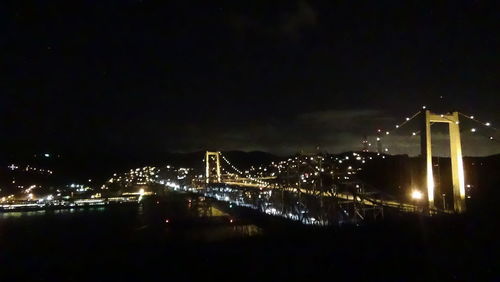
[[299, 172]]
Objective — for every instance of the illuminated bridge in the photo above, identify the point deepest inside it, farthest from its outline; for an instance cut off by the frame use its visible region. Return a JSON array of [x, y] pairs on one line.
[[319, 182]]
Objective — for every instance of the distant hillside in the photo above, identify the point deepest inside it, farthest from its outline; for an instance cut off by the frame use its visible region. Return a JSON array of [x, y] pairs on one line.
[[393, 174], [100, 165]]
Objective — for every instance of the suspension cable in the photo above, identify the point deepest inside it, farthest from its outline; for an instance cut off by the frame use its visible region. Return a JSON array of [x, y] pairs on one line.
[[397, 127], [484, 124], [241, 173]]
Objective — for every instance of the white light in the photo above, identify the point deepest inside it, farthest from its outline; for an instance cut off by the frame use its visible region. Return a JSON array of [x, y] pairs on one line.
[[413, 133], [472, 117], [378, 138], [417, 195], [387, 132], [407, 119], [472, 130], [46, 155], [487, 124], [397, 125], [424, 107]]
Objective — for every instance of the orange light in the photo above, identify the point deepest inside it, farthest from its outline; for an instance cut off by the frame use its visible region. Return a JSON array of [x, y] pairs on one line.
[[417, 195]]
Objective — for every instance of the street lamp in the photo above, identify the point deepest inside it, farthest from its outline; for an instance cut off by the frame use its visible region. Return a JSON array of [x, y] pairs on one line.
[[416, 195]]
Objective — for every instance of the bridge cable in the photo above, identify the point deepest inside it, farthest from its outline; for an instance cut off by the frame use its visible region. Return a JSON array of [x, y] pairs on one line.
[[241, 173]]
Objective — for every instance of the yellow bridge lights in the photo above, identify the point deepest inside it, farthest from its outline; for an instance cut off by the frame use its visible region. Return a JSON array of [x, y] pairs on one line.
[[214, 156], [457, 168]]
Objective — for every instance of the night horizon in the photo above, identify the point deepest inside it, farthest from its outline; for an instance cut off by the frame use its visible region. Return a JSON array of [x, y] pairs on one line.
[[302, 140], [157, 77]]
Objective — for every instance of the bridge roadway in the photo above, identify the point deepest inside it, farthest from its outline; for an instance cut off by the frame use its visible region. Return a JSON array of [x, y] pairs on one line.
[[369, 201]]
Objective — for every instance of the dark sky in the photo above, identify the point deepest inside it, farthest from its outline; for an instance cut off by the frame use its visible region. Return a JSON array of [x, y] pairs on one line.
[[278, 76]]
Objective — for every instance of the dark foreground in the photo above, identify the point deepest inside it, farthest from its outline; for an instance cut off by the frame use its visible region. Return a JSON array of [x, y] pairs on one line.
[[207, 241]]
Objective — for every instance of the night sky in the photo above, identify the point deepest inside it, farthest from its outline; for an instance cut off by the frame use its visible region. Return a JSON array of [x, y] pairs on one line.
[[277, 76]]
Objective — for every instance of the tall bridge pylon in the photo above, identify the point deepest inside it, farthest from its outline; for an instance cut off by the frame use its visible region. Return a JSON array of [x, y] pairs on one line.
[[457, 168], [210, 157]]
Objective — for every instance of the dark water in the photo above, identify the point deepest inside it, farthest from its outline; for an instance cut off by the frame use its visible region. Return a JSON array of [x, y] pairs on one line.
[[174, 217], [208, 240], [75, 244]]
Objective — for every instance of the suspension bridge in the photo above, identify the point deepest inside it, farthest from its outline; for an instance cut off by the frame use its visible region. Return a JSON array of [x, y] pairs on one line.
[[320, 177]]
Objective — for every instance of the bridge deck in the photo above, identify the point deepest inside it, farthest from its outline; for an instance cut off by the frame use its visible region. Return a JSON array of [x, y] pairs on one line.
[[369, 201]]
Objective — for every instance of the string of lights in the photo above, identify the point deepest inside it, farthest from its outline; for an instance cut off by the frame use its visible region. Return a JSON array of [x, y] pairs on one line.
[[231, 165], [397, 127], [241, 173], [416, 133], [381, 134], [486, 125]]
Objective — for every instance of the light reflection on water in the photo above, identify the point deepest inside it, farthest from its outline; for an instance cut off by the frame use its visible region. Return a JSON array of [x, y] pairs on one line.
[[212, 223], [223, 232], [191, 219], [19, 214]]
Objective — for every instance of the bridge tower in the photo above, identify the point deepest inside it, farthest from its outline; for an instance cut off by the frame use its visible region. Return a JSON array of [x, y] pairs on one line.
[[208, 173], [457, 169]]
